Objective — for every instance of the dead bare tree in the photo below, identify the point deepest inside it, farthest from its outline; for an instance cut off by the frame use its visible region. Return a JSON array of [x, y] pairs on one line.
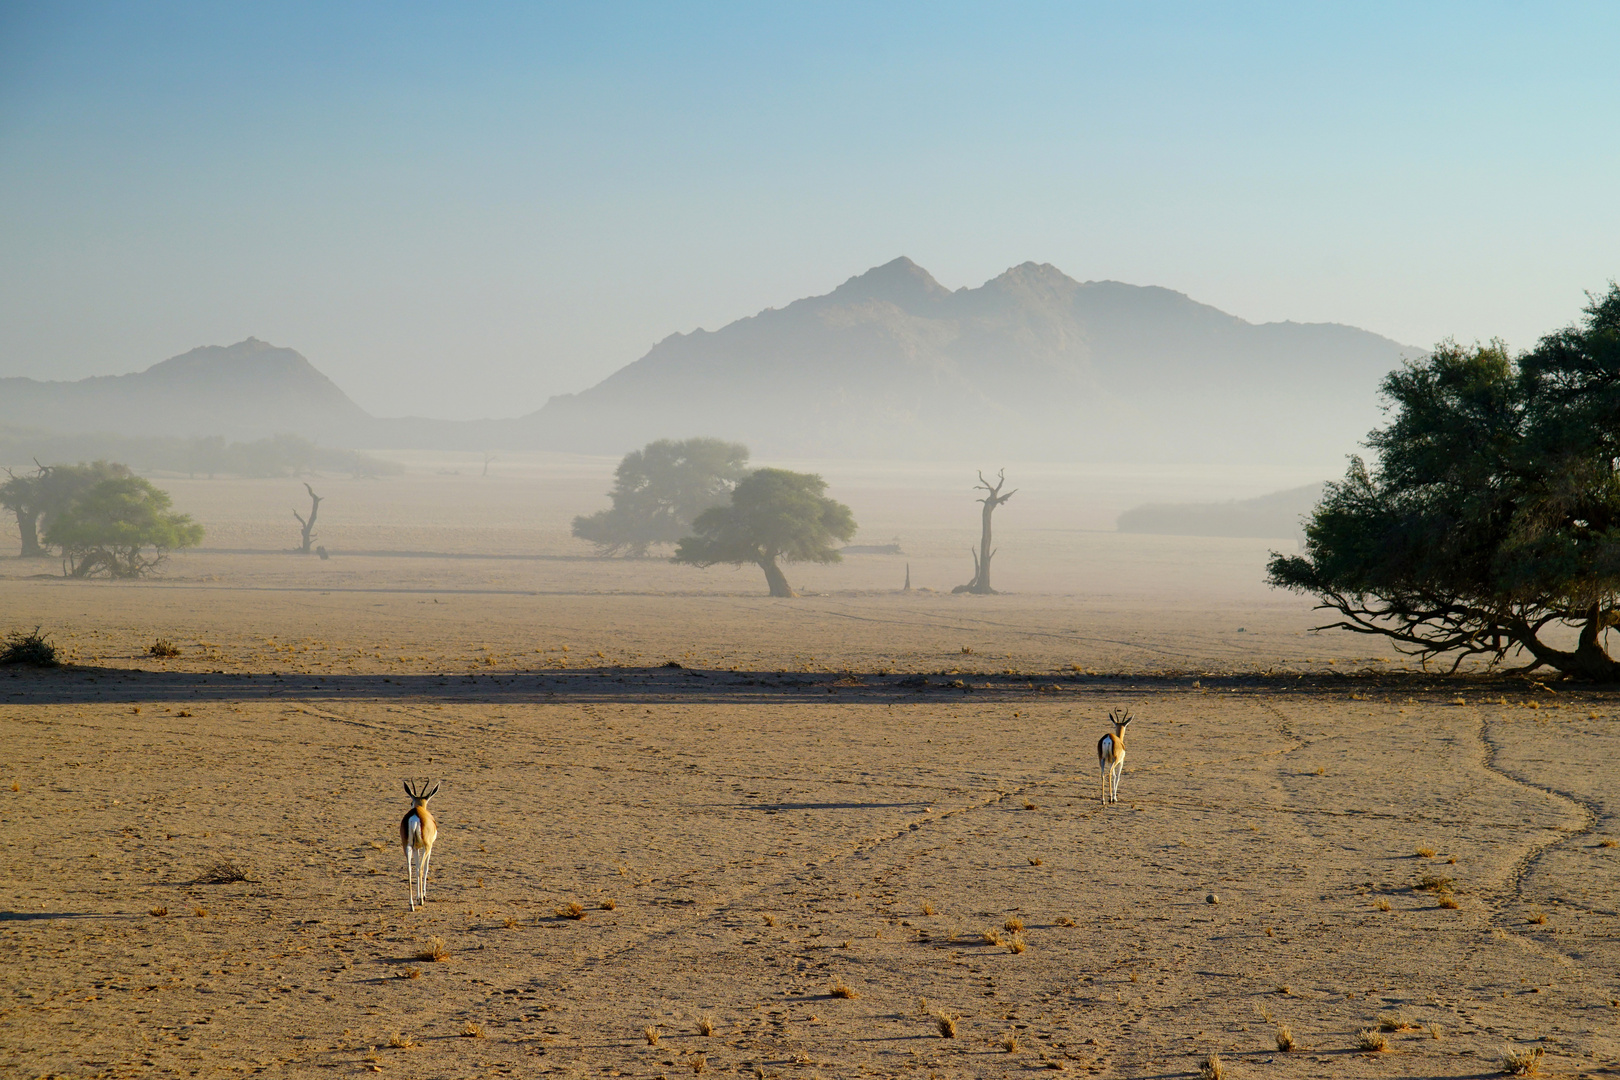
[[309, 526], [981, 558]]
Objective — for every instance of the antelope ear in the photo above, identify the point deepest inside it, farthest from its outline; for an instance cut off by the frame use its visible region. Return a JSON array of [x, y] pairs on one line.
[[408, 790], [432, 793]]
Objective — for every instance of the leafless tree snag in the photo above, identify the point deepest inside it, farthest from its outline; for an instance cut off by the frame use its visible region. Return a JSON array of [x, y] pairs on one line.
[[309, 526], [981, 558]]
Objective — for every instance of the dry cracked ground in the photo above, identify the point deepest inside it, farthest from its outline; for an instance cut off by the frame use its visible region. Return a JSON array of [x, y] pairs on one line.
[[798, 874]]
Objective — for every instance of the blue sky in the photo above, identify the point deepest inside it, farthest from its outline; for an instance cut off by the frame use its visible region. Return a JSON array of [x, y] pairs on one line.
[[458, 210]]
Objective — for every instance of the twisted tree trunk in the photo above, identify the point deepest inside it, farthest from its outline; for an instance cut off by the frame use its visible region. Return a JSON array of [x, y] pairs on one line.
[[309, 526], [775, 578]]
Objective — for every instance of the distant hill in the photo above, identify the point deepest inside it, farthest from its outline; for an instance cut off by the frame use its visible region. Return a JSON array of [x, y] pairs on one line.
[[1269, 516], [248, 390], [1031, 364]]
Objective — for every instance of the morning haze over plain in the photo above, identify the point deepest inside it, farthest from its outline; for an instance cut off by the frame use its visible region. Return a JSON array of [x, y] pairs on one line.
[[744, 464]]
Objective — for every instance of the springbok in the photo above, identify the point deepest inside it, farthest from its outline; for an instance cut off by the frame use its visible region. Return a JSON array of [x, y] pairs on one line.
[[417, 830], [1111, 755]]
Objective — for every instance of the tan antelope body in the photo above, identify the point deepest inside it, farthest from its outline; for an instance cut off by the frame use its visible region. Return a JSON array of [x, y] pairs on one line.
[[417, 831], [1111, 756]]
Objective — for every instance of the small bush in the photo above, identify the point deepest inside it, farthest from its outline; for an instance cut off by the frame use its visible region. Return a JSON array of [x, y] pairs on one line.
[[1448, 902], [1539, 918], [1424, 853], [609, 904], [400, 1042], [30, 649], [433, 950], [1394, 1022], [1371, 1042], [841, 989], [1522, 1062], [159, 912], [1285, 1038], [472, 1030], [946, 1023], [222, 872], [409, 973], [1014, 925], [650, 1033], [1211, 1068], [164, 649], [1009, 1043], [705, 1025], [573, 910], [1016, 944], [1433, 883]]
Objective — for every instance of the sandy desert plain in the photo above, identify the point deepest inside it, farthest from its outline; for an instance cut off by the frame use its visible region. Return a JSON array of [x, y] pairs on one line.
[[789, 859]]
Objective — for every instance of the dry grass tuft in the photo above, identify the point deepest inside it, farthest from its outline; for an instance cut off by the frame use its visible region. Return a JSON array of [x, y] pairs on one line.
[[1448, 902], [1424, 852], [1016, 944], [400, 1042], [201, 913], [928, 909], [1371, 1042], [1539, 918], [650, 1033], [1608, 842], [993, 937], [705, 1025], [1382, 904], [1211, 1068], [841, 989], [1037, 862], [699, 1063], [1434, 883], [1030, 806], [1522, 1062], [1394, 1021], [1435, 1031], [1009, 1043], [160, 911], [222, 872], [433, 950], [164, 648], [472, 1029], [770, 920], [511, 923], [1285, 1038], [409, 973], [1066, 921], [609, 904], [946, 1023], [571, 910], [1014, 925]]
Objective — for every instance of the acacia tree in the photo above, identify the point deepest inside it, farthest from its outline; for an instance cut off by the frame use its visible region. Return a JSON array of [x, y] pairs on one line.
[[36, 499], [1492, 518], [659, 491], [774, 514], [108, 529]]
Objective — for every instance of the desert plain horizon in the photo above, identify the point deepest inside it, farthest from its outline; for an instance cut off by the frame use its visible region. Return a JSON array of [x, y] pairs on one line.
[[687, 828]]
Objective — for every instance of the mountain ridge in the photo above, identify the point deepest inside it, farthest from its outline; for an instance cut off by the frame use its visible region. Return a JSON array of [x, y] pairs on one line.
[[890, 363]]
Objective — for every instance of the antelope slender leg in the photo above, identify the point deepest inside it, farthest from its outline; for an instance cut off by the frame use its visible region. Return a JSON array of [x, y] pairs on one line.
[[427, 857], [410, 875]]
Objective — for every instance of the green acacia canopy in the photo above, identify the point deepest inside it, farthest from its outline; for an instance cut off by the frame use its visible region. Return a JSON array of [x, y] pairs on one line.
[[108, 528], [658, 492], [1491, 521], [774, 515]]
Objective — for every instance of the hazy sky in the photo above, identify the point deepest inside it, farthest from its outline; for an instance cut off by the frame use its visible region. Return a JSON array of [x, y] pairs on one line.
[[460, 209]]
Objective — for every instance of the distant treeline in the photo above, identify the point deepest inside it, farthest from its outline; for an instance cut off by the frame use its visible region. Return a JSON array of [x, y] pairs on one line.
[[1268, 517], [279, 455]]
